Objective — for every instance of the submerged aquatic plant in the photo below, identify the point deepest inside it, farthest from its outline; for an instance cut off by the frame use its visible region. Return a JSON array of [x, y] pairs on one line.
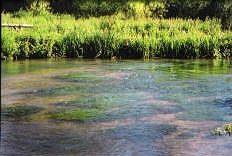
[[20, 111], [81, 115], [80, 77]]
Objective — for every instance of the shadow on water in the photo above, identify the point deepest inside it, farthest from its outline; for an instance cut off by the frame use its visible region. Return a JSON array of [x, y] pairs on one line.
[[138, 138], [225, 103], [35, 139], [151, 107], [50, 139]]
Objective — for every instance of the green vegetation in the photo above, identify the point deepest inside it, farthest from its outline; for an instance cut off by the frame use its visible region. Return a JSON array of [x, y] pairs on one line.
[[81, 115], [59, 91], [126, 33], [19, 111], [150, 8], [223, 130], [80, 77]]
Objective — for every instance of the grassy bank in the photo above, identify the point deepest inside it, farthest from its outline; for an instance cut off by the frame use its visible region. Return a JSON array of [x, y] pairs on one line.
[[112, 36]]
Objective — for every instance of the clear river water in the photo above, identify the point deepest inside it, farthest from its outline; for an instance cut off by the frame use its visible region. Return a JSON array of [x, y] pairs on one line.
[[157, 107]]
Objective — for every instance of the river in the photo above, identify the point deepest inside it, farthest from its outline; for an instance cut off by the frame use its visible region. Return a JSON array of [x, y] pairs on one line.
[[156, 107]]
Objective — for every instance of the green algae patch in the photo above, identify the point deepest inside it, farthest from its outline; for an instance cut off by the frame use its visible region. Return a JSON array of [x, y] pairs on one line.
[[20, 111], [80, 77], [61, 91], [101, 100], [81, 115], [223, 130]]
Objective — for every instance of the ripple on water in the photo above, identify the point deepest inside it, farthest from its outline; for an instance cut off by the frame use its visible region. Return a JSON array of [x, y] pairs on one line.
[[137, 138], [138, 99]]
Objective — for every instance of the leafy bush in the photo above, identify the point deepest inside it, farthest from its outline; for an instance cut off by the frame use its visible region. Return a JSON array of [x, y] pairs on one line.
[[96, 8], [157, 9], [40, 8], [19, 14], [226, 17], [225, 46]]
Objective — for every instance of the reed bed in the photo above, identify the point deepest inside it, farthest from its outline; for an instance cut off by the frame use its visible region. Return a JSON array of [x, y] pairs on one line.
[[61, 35]]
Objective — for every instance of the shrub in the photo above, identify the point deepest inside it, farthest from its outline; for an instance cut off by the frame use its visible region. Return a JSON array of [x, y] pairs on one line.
[[26, 46], [156, 9], [225, 46], [40, 8]]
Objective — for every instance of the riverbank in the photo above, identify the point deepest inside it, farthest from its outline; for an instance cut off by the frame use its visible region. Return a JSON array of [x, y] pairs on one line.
[[112, 36]]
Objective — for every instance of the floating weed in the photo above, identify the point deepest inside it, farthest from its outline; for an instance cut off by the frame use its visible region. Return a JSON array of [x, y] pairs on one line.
[[81, 115], [20, 111], [228, 128], [223, 130]]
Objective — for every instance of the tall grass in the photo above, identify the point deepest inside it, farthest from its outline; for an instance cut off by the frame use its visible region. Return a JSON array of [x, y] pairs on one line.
[[113, 36]]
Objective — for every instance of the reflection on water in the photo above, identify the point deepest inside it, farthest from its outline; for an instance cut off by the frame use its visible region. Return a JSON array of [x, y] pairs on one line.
[[151, 107]]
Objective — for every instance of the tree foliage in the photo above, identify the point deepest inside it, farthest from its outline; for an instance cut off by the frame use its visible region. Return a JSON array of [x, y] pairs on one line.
[[201, 9]]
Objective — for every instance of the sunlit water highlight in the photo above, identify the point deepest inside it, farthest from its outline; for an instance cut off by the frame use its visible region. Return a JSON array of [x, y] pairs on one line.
[[152, 107]]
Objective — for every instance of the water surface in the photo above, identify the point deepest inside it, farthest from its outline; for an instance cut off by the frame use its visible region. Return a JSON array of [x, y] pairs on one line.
[[146, 107]]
